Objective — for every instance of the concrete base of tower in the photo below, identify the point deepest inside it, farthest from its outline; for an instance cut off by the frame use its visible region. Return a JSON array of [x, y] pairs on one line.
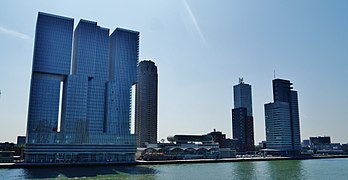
[[79, 153]]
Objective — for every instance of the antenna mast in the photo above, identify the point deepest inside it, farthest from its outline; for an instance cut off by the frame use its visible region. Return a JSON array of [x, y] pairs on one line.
[[241, 81]]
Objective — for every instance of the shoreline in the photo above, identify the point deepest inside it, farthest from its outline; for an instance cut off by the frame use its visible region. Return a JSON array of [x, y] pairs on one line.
[[139, 162]]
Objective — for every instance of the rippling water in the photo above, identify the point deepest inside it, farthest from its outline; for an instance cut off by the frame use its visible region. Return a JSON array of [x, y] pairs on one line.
[[285, 169]]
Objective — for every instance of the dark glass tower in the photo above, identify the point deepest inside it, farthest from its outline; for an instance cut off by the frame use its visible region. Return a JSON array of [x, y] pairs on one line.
[[81, 116], [242, 118], [146, 103], [51, 66], [282, 118], [124, 56], [282, 91]]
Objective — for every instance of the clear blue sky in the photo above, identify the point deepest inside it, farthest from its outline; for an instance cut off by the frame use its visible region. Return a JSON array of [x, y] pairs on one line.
[[201, 48]]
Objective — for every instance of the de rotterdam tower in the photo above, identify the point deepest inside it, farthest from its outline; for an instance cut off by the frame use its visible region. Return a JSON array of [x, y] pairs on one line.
[[80, 92]]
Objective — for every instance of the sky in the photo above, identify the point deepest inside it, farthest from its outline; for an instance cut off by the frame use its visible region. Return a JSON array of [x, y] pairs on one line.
[[201, 48]]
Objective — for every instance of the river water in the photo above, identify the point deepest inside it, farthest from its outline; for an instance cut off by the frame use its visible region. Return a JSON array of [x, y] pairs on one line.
[[284, 169]]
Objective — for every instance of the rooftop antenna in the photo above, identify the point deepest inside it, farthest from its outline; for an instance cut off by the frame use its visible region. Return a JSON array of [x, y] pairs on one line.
[[241, 81], [274, 74]]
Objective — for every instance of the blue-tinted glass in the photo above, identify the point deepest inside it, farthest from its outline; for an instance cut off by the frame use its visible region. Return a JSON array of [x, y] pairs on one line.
[[95, 102]]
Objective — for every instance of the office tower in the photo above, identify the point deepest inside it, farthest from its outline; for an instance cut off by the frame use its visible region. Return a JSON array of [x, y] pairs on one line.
[[282, 118], [51, 65], [124, 52], [146, 103], [84, 91], [84, 115], [242, 117], [242, 96], [278, 130]]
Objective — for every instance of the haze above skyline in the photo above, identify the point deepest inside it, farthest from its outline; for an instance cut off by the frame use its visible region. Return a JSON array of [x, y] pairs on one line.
[[201, 49]]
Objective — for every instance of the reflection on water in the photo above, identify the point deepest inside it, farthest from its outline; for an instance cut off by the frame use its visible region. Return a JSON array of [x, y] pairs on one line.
[[81, 172], [244, 170], [285, 169]]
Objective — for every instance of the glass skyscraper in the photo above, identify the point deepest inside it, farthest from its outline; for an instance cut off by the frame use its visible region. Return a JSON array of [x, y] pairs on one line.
[[242, 117], [79, 106], [282, 118], [124, 50], [242, 97], [51, 66]]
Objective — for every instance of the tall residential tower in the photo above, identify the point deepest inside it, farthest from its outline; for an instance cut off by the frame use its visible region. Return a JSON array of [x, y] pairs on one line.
[[79, 112], [146, 103], [282, 118], [242, 117]]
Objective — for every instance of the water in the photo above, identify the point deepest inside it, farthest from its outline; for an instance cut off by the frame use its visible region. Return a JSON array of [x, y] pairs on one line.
[[286, 169]]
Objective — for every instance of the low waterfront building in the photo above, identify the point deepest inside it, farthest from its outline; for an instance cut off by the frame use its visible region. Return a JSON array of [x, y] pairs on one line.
[[263, 144], [345, 148], [305, 143], [186, 139], [21, 140], [331, 148], [6, 156], [224, 142], [17, 150], [322, 145], [186, 147], [320, 140]]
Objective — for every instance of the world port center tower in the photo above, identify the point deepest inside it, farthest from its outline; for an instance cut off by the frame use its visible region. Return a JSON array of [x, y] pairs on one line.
[[80, 93]]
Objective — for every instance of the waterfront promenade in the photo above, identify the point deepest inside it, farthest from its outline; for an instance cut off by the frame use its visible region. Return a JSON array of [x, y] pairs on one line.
[[186, 161]]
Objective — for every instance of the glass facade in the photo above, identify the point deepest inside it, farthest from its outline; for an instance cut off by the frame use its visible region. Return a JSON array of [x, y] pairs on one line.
[[242, 97], [51, 64], [295, 120], [74, 110], [124, 52], [52, 47], [95, 99], [278, 127], [242, 117], [282, 118]]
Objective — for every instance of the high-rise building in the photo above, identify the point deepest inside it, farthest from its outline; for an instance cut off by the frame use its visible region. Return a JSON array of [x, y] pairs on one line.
[[51, 66], [282, 118], [278, 129], [124, 55], [146, 103], [242, 97], [242, 117], [80, 111]]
